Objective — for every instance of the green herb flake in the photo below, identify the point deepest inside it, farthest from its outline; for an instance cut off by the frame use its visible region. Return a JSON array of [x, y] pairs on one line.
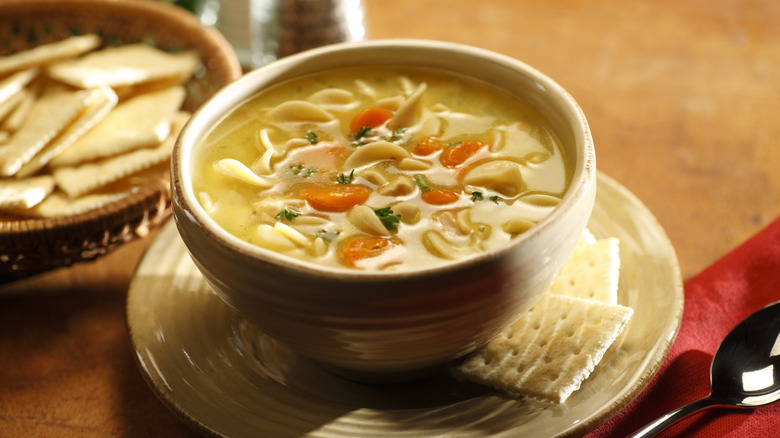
[[422, 183], [300, 170], [476, 196], [327, 236], [494, 199], [365, 131], [397, 134], [346, 179], [388, 218], [454, 143], [312, 137], [286, 214]]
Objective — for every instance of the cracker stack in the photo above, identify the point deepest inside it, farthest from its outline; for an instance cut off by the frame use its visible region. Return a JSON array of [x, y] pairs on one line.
[[82, 126], [553, 348]]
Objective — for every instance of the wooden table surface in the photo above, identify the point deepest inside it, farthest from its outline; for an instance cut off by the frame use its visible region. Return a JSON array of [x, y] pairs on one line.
[[682, 96]]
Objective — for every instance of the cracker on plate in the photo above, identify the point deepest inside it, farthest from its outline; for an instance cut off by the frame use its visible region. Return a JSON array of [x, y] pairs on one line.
[[592, 272], [553, 348], [550, 350]]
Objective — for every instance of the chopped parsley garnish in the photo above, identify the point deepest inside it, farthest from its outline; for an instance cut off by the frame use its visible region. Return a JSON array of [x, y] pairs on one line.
[[478, 196], [363, 132], [327, 236], [299, 170], [397, 134], [389, 220], [346, 179], [422, 183], [454, 143], [287, 214], [312, 137]]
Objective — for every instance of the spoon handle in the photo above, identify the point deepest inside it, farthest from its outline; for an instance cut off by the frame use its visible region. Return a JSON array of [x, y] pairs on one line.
[[674, 416]]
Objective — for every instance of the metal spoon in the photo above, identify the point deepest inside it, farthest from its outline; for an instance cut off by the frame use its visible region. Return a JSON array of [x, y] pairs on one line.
[[745, 371]]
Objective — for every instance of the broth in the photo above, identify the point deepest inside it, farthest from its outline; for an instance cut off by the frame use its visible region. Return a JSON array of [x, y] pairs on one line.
[[380, 168]]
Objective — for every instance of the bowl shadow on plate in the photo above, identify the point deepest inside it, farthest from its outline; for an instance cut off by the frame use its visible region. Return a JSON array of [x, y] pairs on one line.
[[437, 401], [215, 339]]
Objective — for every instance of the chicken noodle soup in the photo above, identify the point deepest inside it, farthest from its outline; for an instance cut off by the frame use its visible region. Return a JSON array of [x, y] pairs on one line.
[[391, 168]]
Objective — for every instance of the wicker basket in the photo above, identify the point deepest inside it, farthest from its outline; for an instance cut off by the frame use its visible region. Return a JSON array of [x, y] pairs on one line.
[[29, 246]]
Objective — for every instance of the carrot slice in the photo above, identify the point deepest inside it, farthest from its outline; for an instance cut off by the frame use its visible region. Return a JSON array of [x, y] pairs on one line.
[[457, 154], [335, 198], [427, 146], [364, 247], [440, 196], [371, 117]]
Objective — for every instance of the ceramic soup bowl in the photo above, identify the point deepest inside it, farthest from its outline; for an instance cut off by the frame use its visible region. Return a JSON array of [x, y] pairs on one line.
[[390, 325]]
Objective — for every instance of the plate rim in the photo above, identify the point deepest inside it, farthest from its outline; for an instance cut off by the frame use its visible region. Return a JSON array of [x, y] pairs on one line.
[[600, 416]]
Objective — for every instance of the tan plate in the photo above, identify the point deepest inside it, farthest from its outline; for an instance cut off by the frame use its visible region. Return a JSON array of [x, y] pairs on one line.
[[28, 246], [227, 379]]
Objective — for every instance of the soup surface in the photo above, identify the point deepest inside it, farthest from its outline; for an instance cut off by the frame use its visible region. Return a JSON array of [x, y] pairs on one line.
[[391, 168]]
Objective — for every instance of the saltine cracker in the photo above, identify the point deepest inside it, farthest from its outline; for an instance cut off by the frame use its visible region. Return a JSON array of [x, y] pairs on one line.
[[102, 100], [47, 53], [49, 116], [592, 272], [549, 352], [553, 348], [25, 193], [125, 65], [79, 180], [140, 122]]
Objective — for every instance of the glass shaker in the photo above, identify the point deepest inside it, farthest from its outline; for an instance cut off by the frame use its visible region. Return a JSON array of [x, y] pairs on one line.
[[261, 31]]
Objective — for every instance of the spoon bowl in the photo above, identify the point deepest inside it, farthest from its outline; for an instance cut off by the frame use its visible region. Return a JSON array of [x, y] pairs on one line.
[[745, 370]]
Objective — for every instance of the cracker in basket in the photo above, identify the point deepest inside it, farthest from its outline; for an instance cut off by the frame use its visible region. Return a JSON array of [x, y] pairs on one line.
[[24, 193], [60, 204], [550, 350], [129, 91], [592, 272], [18, 116], [125, 65], [49, 116], [76, 181], [9, 105], [101, 101], [142, 121], [15, 83], [47, 53]]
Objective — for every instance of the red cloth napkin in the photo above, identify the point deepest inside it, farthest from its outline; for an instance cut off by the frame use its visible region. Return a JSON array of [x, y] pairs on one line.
[[716, 300]]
